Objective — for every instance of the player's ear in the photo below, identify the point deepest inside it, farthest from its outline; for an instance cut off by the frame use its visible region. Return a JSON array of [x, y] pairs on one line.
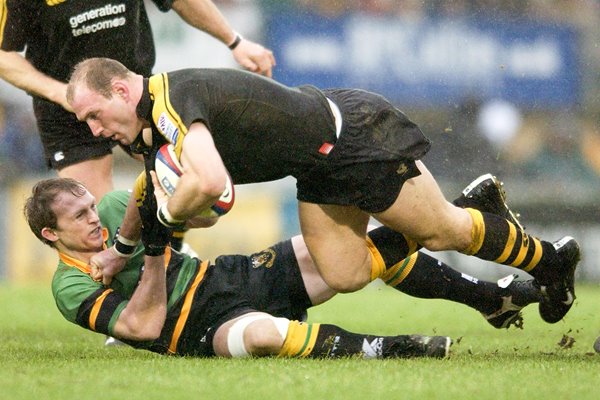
[[49, 234], [120, 88]]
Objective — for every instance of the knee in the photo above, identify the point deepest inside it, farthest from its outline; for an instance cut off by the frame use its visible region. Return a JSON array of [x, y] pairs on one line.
[[347, 275], [348, 283], [257, 335], [262, 338]]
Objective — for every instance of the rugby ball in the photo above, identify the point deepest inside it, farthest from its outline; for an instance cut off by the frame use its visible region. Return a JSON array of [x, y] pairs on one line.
[[168, 170]]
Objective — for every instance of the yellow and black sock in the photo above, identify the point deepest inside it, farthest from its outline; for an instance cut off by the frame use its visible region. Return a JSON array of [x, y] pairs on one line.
[[497, 239], [330, 341], [426, 277], [388, 248]]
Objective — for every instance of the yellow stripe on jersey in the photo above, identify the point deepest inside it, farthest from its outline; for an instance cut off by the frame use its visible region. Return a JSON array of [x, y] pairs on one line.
[[166, 119], [139, 189], [185, 309], [54, 2], [377, 262], [397, 273], [300, 339], [3, 13], [96, 308]]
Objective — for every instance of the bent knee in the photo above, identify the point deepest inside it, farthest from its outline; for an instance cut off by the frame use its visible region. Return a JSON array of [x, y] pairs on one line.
[[257, 335], [349, 282], [262, 338]]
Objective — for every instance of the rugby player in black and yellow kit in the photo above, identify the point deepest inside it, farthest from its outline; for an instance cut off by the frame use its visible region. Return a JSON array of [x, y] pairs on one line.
[[57, 34], [353, 154], [171, 303]]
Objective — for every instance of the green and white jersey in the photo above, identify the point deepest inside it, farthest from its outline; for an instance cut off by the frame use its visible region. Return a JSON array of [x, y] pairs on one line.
[[90, 304]]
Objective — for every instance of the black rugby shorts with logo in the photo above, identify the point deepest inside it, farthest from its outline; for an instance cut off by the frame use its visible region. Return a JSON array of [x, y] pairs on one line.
[[372, 158]]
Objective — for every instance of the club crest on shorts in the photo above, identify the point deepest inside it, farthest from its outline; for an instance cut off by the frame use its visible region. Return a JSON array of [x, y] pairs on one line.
[[265, 258], [402, 169]]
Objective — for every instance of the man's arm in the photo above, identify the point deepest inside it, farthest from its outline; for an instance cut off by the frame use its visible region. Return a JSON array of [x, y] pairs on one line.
[[203, 180], [204, 15], [19, 72], [144, 316]]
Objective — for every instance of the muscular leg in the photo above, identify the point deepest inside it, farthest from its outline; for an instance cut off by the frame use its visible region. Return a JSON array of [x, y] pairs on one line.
[[422, 213], [335, 237], [260, 334], [95, 174], [423, 276]]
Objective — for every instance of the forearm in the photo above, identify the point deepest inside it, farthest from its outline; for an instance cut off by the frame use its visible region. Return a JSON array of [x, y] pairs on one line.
[[191, 197], [204, 15], [205, 176], [131, 226], [19, 72], [144, 316]]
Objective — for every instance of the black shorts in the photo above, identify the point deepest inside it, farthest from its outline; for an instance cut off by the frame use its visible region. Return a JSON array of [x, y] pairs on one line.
[[268, 281], [68, 141], [372, 158]]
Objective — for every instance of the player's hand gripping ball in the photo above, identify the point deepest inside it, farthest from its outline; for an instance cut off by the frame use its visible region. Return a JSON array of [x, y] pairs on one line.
[[168, 170]]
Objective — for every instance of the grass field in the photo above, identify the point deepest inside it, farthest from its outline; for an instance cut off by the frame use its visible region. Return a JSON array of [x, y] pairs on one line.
[[44, 357]]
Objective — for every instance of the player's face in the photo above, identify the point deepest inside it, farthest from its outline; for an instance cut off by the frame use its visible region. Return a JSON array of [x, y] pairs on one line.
[[78, 230], [112, 118]]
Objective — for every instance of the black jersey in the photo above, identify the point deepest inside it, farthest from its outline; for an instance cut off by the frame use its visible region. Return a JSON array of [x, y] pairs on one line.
[[57, 34], [263, 130]]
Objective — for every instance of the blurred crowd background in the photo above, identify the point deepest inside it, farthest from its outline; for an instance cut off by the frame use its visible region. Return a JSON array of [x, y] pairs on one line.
[[510, 87]]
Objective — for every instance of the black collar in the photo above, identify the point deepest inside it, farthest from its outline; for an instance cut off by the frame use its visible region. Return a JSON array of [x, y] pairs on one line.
[[144, 107]]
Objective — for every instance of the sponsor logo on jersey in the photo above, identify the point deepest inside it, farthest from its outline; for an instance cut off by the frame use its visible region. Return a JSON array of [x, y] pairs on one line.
[[97, 19], [167, 127], [52, 3]]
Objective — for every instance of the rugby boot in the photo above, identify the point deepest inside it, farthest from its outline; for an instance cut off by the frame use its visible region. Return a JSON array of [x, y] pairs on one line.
[[515, 295], [486, 194], [557, 282], [409, 346]]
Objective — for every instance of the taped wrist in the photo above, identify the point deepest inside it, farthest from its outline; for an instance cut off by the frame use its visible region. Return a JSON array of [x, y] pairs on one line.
[[165, 218], [124, 247]]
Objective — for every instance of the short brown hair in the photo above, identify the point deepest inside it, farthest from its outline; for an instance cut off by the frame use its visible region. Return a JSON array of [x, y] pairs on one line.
[[38, 207], [97, 74]]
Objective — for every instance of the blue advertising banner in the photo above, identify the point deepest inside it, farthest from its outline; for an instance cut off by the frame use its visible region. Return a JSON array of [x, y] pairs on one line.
[[430, 62]]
